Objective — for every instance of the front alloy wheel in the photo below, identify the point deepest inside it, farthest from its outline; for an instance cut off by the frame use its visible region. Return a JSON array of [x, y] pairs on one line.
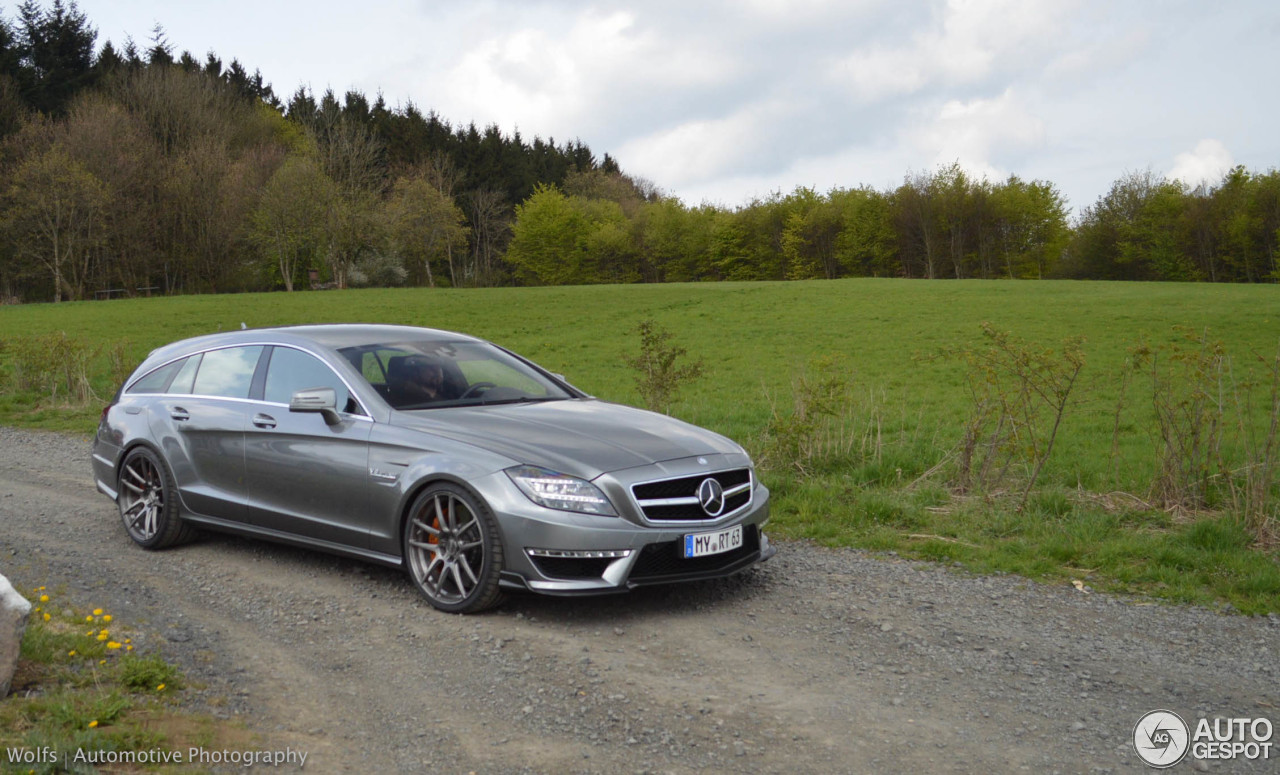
[[452, 549], [148, 503]]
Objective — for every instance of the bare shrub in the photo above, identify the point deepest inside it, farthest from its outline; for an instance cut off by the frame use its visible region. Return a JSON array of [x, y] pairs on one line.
[[659, 377], [1020, 395], [815, 428], [54, 365], [1189, 381], [1216, 430], [829, 424], [119, 363], [1254, 484]]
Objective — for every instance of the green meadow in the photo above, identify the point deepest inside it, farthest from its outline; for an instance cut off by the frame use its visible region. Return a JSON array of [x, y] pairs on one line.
[[884, 485]]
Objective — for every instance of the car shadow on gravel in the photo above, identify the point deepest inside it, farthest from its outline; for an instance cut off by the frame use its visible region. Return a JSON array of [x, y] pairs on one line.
[[645, 603], [392, 583]]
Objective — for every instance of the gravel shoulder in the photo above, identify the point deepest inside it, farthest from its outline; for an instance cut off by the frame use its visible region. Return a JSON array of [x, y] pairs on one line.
[[818, 661]]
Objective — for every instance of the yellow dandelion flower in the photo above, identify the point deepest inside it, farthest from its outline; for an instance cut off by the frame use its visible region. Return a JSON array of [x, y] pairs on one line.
[[97, 612], [113, 645], [102, 661], [88, 618], [44, 598], [47, 617], [71, 653], [128, 640], [106, 618], [160, 688], [93, 724], [39, 609], [128, 648], [103, 635]]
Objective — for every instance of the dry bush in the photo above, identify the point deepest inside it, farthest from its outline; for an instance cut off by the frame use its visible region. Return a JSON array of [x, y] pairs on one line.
[[1020, 394], [1216, 431], [658, 374], [54, 365]]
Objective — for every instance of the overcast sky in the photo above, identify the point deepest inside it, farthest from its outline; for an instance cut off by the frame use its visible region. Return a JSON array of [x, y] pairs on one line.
[[725, 101]]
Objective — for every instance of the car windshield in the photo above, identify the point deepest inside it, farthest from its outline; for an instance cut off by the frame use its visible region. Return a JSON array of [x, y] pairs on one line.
[[435, 374]]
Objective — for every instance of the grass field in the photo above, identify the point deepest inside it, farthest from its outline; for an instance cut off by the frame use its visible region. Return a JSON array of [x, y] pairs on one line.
[[755, 337]]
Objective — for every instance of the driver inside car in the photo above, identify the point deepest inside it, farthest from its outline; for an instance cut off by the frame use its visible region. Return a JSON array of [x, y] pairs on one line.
[[417, 380]]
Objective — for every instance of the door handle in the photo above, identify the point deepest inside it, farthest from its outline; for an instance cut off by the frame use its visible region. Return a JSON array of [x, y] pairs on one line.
[[264, 420], [179, 414]]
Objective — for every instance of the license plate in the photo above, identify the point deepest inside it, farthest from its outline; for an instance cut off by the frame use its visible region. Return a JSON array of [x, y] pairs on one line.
[[703, 544]]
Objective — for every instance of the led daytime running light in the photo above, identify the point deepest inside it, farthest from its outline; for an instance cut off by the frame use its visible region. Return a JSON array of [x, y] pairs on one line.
[[594, 554]]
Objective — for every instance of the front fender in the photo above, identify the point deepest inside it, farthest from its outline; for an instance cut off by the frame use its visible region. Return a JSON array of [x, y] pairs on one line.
[[402, 462]]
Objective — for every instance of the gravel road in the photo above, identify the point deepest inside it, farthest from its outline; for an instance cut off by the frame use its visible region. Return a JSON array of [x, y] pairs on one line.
[[818, 661]]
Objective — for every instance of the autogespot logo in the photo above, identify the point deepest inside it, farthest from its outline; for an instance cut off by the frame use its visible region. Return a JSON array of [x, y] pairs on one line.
[[1161, 738]]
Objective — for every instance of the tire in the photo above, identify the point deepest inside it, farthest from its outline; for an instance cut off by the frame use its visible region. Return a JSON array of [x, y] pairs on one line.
[[148, 501], [452, 549]]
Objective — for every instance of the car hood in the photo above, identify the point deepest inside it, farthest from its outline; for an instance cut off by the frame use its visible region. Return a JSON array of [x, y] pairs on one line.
[[580, 437]]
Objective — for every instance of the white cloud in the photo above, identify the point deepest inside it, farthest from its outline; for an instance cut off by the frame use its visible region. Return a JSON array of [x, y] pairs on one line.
[[531, 76], [1098, 56], [1206, 164], [974, 132], [964, 44], [570, 82], [696, 150]]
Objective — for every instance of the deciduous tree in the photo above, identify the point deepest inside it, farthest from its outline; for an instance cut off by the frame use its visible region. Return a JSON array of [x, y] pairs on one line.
[[291, 220], [54, 215]]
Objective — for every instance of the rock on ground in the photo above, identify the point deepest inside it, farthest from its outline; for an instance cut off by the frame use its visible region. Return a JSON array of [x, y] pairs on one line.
[[14, 609]]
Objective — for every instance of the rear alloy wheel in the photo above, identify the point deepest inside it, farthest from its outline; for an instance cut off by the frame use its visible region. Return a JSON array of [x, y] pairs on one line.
[[148, 501], [452, 549]]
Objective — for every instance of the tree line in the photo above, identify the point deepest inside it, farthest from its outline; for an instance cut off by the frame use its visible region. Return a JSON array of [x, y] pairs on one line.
[[939, 224], [137, 170]]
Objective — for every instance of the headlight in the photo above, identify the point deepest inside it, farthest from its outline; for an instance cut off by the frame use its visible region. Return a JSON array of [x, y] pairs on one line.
[[557, 491]]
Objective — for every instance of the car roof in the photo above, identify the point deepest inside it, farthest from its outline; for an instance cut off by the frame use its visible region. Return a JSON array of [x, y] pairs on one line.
[[339, 335], [334, 336]]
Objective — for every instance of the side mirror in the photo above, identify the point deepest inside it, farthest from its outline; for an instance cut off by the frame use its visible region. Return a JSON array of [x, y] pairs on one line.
[[322, 399]]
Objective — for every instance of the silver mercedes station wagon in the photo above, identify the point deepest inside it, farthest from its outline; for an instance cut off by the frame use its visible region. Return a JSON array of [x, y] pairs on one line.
[[471, 467]]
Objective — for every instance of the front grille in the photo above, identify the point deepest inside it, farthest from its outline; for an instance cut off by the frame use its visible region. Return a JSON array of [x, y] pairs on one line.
[[572, 567], [649, 494], [664, 560], [688, 486]]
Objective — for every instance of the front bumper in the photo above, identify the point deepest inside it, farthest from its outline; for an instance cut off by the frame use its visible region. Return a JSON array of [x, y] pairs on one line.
[[658, 563], [551, 553]]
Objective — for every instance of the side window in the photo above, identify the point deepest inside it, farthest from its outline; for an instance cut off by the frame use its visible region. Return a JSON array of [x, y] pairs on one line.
[[158, 380], [187, 376], [227, 372], [293, 370]]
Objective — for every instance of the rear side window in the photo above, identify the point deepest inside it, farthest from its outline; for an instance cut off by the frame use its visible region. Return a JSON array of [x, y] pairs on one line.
[[293, 370], [187, 376], [158, 380], [227, 372]]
